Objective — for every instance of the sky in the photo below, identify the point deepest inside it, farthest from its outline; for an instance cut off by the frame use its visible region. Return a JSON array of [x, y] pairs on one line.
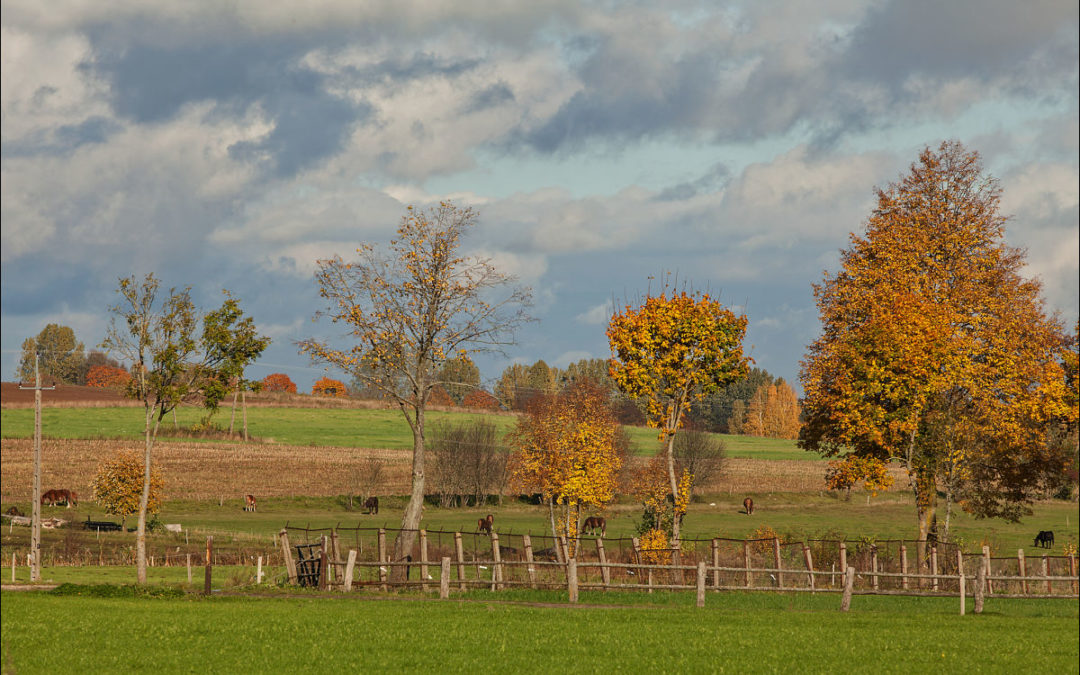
[[736, 145]]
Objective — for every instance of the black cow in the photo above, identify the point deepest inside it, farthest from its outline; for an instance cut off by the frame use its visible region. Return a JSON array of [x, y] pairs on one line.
[[1044, 539]]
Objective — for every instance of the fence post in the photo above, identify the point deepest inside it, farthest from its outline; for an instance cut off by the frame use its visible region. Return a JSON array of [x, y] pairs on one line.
[[989, 569], [980, 589], [903, 566], [601, 555], [460, 560], [809, 558], [324, 573], [209, 564], [571, 579], [849, 583], [701, 584], [1046, 573], [13, 568], [716, 562], [933, 565], [350, 565], [1023, 571], [636, 544], [776, 560], [526, 541], [963, 593], [188, 569], [290, 564], [382, 559], [843, 558], [444, 578], [1072, 569], [424, 560], [496, 567], [959, 560], [258, 572], [873, 567], [746, 560]]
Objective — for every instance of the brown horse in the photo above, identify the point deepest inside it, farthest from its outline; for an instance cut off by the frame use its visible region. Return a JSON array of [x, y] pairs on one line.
[[372, 505], [70, 497], [485, 524], [54, 497], [748, 506], [593, 524], [249, 503]]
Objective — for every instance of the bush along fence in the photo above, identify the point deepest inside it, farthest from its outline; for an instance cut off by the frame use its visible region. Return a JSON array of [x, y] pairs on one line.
[[348, 558]]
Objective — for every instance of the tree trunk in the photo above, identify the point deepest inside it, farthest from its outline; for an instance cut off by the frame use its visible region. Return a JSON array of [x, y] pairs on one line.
[[675, 524], [243, 405], [410, 520], [232, 419], [926, 506], [144, 500], [551, 516]]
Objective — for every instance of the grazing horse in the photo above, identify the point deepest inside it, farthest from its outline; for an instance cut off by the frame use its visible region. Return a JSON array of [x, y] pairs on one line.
[[1044, 539], [372, 505], [51, 498], [70, 497], [485, 524], [748, 506], [249, 503], [593, 524]]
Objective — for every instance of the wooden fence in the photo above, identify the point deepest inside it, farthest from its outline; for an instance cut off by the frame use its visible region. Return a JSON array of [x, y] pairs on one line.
[[761, 565]]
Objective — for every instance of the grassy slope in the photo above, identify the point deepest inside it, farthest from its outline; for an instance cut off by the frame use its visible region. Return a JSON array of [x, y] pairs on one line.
[[734, 633], [321, 426]]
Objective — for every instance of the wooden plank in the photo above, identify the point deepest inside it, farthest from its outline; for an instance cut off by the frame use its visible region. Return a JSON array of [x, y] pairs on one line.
[[701, 584], [424, 576], [933, 566], [496, 567], [601, 555], [849, 584], [209, 564], [349, 567], [963, 594], [776, 561], [903, 566], [290, 564], [873, 566], [809, 559], [382, 559], [531, 568], [1023, 571], [460, 560], [746, 562], [444, 578], [715, 548], [571, 579]]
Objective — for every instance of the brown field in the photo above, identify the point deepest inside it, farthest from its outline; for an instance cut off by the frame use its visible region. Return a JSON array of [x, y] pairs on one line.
[[204, 470], [213, 470]]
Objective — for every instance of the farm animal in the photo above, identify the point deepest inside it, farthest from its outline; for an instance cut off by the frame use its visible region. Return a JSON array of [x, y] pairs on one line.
[[54, 497], [249, 503], [485, 524], [748, 506], [1044, 539], [372, 505], [14, 511], [593, 524]]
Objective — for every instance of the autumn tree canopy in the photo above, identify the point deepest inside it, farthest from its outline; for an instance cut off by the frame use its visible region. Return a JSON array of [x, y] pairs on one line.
[[279, 382], [118, 485], [773, 412], [672, 350], [327, 386], [935, 351], [406, 312], [61, 357], [568, 450]]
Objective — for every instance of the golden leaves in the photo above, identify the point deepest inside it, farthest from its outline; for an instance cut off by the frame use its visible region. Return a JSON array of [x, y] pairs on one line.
[[118, 485]]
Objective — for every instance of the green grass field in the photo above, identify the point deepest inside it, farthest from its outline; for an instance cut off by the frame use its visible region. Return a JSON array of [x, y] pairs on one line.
[[324, 427], [44, 632]]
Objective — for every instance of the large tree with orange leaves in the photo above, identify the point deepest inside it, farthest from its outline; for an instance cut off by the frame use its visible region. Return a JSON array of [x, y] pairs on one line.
[[935, 351], [672, 351], [407, 312]]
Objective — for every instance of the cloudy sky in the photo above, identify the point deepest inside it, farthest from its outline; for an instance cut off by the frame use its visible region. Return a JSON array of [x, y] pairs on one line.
[[230, 145]]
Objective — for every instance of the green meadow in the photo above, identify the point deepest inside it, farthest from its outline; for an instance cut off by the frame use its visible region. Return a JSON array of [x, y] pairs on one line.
[[354, 427]]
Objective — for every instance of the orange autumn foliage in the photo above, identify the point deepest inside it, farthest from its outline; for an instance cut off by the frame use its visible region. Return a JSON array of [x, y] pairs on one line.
[[108, 377], [326, 386], [279, 382]]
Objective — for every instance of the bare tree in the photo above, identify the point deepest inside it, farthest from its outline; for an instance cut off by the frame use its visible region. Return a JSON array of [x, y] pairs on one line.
[[701, 453], [407, 312]]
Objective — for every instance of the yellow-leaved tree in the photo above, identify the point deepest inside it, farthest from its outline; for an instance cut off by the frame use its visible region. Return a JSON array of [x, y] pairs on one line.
[[568, 450], [672, 350], [406, 313], [118, 485], [935, 351]]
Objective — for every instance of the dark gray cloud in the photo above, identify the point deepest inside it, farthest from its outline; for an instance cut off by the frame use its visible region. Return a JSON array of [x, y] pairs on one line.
[[489, 97], [64, 139]]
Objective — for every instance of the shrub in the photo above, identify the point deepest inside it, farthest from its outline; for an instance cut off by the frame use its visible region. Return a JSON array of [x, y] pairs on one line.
[[480, 400], [279, 382], [108, 377], [328, 387]]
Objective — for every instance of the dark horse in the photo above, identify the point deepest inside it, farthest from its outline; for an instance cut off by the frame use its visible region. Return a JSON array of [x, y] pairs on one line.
[[593, 524], [485, 524], [748, 506], [1044, 539], [372, 505]]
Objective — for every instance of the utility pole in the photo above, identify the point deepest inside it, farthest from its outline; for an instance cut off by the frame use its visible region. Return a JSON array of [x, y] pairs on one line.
[[35, 518]]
